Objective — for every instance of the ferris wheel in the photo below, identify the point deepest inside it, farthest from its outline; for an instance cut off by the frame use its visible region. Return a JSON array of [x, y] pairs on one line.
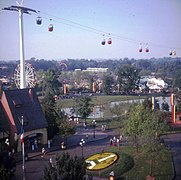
[[29, 76]]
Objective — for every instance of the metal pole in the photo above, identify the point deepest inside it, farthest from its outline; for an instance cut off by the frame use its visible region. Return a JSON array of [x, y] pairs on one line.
[[23, 151], [21, 9], [94, 129], [82, 151], [22, 59]]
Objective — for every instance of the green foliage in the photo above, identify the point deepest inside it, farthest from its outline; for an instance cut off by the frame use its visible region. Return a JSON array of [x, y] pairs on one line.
[[147, 103], [128, 78], [66, 168], [84, 106], [107, 84], [5, 174], [165, 106], [177, 79], [50, 172], [7, 165], [178, 99], [144, 125], [66, 129], [124, 164], [48, 105], [49, 83]]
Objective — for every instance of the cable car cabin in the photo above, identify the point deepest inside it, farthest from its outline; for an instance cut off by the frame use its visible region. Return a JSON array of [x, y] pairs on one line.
[[147, 50], [38, 20], [171, 52], [174, 53], [103, 42], [109, 41], [140, 50], [50, 28]]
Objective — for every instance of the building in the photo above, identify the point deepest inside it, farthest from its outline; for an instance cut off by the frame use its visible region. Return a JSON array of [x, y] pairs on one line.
[[23, 104], [96, 70], [152, 83]]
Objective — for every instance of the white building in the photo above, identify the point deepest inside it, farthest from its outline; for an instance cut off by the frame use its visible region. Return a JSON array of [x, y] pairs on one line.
[[102, 70], [154, 84]]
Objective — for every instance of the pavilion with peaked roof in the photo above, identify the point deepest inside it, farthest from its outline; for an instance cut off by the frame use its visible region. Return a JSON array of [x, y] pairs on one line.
[[24, 104]]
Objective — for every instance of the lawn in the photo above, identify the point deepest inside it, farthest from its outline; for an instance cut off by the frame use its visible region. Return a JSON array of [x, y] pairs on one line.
[[132, 165], [99, 100]]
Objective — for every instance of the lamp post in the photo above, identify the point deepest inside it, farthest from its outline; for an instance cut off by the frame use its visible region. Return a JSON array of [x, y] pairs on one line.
[[23, 145], [82, 143], [94, 127]]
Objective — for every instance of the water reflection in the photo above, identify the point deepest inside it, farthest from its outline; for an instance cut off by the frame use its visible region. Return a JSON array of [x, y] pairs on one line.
[[99, 113]]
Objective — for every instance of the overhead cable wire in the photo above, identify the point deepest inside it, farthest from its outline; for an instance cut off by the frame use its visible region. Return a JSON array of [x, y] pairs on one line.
[[101, 32]]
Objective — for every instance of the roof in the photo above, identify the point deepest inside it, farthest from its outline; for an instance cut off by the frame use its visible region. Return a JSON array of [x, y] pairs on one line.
[[4, 125], [24, 103]]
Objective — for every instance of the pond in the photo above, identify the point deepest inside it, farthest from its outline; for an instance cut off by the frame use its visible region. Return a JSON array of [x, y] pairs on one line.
[[98, 113]]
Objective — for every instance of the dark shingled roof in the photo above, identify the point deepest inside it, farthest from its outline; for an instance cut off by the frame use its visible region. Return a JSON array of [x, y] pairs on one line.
[[4, 124], [24, 102]]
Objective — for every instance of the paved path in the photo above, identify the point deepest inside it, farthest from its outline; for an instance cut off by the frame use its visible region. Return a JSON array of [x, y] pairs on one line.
[[35, 165], [173, 142]]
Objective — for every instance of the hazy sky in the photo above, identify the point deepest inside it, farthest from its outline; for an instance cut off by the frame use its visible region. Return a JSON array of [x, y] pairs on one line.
[[79, 26]]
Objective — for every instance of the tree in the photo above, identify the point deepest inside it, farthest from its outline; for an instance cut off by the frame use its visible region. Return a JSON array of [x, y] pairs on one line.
[[84, 106], [177, 79], [128, 78], [66, 168], [52, 85], [7, 165], [57, 120], [133, 125], [48, 106], [50, 172], [178, 99], [145, 126], [147, 103], [165, 106], [107, 84]]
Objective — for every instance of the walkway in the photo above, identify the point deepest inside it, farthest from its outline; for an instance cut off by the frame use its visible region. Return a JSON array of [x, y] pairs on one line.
[[173, 143], [35, 165]]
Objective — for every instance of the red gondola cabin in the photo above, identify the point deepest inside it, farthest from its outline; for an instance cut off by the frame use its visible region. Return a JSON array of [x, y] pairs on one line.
[[50, 28], [109, 41]]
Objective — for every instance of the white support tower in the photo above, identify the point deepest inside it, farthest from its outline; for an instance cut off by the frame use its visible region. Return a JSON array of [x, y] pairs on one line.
[[21, 9]]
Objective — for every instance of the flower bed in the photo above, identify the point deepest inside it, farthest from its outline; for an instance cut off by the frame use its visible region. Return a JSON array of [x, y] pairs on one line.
[[101, 160]]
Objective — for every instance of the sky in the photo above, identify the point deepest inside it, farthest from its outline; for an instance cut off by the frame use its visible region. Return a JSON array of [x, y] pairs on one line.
[[81, 25]]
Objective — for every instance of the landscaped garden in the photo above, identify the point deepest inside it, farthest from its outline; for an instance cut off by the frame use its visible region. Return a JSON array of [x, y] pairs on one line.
[[136, 165], [101, 161], [144, 155]]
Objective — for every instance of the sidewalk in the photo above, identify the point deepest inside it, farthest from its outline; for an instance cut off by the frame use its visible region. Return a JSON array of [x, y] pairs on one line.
[[71, 141]]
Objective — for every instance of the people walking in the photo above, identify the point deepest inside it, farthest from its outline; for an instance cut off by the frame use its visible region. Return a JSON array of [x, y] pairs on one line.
[[43, 152]]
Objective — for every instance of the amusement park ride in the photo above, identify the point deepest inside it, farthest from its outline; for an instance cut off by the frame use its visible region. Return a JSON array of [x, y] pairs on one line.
[[23, 69]]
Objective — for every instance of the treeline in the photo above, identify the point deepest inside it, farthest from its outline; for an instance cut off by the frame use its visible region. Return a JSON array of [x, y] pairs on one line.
[[163, 67]]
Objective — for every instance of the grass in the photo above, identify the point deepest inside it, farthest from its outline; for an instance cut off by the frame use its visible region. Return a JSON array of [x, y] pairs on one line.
[[133, 165], [99, 100], [124, 163]]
